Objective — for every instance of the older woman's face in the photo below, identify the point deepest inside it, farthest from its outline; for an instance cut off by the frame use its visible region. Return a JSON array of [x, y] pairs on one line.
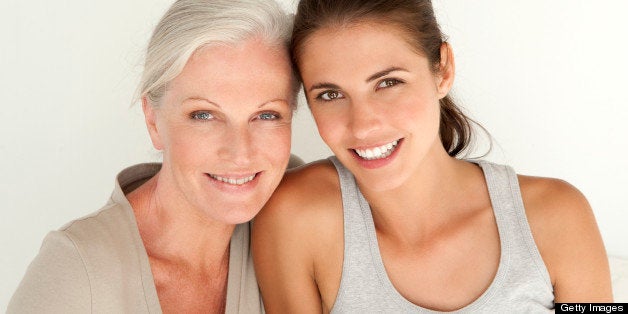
[[224, 128]]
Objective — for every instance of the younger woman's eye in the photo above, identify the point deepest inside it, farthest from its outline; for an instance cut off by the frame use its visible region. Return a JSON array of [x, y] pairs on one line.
[[201, 115], [268, 116], [330, 95], [388, 83]]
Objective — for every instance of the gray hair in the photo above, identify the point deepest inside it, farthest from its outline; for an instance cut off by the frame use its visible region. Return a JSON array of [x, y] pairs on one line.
[[192, 24]]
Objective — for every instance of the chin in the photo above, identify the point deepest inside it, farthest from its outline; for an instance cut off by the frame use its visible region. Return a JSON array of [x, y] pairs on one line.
[[234, 214], [379, 180], [239, 219], [378, 185]]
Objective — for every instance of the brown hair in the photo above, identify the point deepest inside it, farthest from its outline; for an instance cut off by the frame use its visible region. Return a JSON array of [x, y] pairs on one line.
[[416, 19]]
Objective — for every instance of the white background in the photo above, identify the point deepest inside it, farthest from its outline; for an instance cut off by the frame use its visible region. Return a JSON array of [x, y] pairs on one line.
[[546, 78]]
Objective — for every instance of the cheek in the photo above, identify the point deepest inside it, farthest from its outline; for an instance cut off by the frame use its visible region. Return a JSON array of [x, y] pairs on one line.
[[419, 112], [273, 143], [191, 144], [330, 124]]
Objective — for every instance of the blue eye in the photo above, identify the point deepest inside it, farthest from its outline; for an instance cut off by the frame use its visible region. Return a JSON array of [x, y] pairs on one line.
[[388, 83], [201, 115], [330, 95], [268, 116]]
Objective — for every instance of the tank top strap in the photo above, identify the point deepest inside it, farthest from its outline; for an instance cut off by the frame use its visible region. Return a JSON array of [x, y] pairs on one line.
[[360, 277], [347, 182], [510, 215], [355, 224]]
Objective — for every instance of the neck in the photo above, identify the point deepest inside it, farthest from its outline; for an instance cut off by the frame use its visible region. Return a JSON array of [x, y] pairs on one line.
[[176, 232], [427, 201]]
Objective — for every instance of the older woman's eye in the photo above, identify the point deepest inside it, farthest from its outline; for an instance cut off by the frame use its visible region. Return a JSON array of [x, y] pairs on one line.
[[201, 115], [268, 116], [388, 83], [330, 95]]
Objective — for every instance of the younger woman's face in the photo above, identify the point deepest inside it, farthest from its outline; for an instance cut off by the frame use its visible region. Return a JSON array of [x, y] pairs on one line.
[[375, 101]]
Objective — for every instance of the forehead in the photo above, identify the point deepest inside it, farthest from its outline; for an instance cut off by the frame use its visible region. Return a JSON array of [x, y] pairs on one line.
[[361, 26], [252, 68], [356, 47], [254, 56]]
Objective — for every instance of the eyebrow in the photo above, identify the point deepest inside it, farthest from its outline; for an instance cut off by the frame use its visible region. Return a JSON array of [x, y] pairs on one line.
[[196, 98], [369, 79], [323, 86], [217, 105], [272, 101], [384, 73]]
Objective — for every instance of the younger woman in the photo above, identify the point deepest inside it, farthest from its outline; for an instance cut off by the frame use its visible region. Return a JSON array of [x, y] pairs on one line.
[[396, 221]]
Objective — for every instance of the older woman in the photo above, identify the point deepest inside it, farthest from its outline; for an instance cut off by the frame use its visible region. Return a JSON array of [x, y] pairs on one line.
[[217, 91]]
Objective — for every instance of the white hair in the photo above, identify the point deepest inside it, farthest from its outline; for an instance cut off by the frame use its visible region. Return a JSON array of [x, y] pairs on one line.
[[192, 24]]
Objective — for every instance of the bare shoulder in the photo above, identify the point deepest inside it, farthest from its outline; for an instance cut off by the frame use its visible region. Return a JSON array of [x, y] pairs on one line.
[[550, 201], [565, 231], [303, 207], [313, 187], [295, 236], [555, 210], [551, 192]]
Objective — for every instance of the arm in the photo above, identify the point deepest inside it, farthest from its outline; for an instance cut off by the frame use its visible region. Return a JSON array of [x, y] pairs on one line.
[[564, 228], [297, 242], [283, 260], [55, 282]]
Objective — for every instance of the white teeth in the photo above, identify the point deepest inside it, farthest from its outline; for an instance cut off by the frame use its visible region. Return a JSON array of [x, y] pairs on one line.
[[377, 152], [232, 180]]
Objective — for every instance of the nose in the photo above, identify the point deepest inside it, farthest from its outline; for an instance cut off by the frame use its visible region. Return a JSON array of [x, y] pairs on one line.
[[365, 118], [237, 146]]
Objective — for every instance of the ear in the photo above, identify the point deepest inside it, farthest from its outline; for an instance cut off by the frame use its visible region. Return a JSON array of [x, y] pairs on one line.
[[447, 70], [151, 124]]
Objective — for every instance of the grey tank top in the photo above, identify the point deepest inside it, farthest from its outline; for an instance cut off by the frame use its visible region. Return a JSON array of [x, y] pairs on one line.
[[521, 284]]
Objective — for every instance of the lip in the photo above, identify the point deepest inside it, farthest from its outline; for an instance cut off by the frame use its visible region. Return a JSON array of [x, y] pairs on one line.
[[217, 181], [376, 163], [375, 145]]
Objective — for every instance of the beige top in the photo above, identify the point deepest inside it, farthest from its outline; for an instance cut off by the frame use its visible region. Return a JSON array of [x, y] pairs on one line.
[[98, 264]]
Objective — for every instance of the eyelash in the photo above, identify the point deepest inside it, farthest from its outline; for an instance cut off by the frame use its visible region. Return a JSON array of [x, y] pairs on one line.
[[201, 115], [325, 96], [389, 82], [273, 116], [206, 116]]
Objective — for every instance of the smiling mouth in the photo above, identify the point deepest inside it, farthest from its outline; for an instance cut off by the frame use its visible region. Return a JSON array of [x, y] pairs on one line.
[[232, 180], [379, 152]]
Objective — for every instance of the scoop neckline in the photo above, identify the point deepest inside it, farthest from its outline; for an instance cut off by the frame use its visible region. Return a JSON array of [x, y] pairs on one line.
[[497, 280]]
